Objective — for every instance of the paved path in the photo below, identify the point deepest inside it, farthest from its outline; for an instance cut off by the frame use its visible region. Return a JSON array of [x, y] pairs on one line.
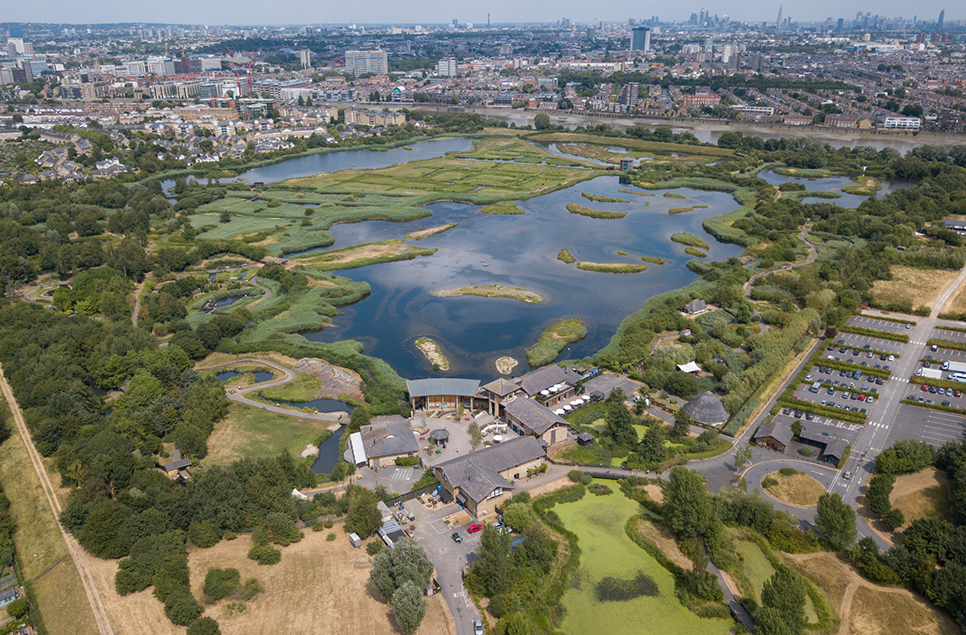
[[77, 554], [239, 394]]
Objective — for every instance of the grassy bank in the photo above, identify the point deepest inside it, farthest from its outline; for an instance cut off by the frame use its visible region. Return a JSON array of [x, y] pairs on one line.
[[610, 267], [492, 291], [366, 254], [502, 208], [690, 240], [432, 352], [554, 339], [573, 208], [566, 256]]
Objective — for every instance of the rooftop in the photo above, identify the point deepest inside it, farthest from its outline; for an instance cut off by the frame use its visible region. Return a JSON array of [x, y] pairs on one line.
[[442, 386]]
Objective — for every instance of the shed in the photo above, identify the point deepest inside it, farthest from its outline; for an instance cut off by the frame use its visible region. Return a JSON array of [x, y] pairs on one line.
[[354, 540], [775, 435], [439, 436], [690, 367], [707, 409], [384, 512], [585, 438], [357, 449], [695, 307]]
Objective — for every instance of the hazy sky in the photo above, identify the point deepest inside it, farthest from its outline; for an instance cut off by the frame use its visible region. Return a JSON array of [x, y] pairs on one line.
[[294, 12]]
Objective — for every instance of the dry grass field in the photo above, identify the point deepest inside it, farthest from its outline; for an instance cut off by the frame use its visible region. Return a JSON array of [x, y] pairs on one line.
[[866, 609], [254, 433], [664, 540], [318, 588], [798, 489], [63, 603], [921, 287], [957, 303], [924, 494]]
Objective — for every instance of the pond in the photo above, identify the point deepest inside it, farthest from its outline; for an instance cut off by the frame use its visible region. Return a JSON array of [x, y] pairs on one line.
[[225, 375], [262, 375], [344, 160], [328, 454], [519, 251], [831, 184], [319, 405]]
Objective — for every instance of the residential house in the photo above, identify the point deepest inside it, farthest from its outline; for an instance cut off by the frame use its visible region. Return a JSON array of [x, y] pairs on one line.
[[696, 307]]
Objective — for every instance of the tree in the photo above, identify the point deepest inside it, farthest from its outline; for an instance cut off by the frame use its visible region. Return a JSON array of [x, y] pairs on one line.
[[541, 121], [407, 562], [409, 607], [518, 517], [686, 503], [742, 456], [836, 520], [769, 621], [18, 608], [362, 518], [682, 423], [619, 425], [786, 592], [652, 448], [220, 583]]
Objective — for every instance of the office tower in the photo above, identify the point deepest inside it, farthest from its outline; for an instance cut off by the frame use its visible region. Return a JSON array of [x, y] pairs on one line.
[[305, 56], [942, 17], [778, 22], [362, 62], [641, 39]]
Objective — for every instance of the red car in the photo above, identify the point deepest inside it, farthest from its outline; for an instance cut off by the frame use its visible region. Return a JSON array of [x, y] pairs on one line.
[[474, 528], [924, 388]]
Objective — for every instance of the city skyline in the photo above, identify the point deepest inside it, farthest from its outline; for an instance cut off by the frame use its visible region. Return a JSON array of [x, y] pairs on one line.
[[289, 12]]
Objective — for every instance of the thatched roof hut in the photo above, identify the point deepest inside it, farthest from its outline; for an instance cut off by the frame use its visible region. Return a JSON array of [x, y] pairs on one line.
[[707, 409]]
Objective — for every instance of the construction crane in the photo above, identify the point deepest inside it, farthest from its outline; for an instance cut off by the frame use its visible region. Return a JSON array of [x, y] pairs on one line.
[[231, 59], [251, 84]]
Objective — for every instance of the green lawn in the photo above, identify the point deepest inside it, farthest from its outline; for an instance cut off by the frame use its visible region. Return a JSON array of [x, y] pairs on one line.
[[303, 388], [253, 433], [606, 551]]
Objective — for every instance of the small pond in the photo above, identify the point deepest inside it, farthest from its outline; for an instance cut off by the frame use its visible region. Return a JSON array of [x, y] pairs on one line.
[[328, 454], [319, 405], [225, 375]]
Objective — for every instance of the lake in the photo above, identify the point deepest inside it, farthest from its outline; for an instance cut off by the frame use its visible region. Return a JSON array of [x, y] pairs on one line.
[[333, 161], [519, 251], [830, 184]]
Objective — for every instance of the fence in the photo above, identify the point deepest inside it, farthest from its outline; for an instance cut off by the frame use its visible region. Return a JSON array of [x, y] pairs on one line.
[[408, 496]]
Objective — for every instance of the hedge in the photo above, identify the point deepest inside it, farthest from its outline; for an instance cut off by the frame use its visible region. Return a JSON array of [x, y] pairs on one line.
[[935, 406], [845, 457], [956, 346], [944, 383], [832, 413], [883, 335], [955, 329]]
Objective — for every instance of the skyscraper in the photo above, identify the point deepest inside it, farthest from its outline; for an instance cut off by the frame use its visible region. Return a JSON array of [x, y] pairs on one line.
[[641, 39], [942, 17], [305, 56], [778, 22]]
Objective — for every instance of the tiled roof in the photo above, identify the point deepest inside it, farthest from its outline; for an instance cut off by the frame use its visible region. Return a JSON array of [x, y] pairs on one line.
[[390, 438], [533, 415], [477, 474]]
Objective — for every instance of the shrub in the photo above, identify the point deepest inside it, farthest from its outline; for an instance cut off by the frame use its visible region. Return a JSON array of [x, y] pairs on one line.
[[204, 534], [407, 461], [318, 526], [579, 477], [204, 626], [894, 518], [252, 588], [788, 471], [374, 547], [330, 537], [230, 535], [18, 608], [328, 524], [181, 608], [805, 451], [220, 583], [769, 482], [264, 554]]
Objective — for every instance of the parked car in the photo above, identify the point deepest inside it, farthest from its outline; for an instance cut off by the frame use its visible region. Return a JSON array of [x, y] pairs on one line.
[[798, 414], [957, 393], [867, 346], [787, 411], [925, 387], [945, 403], [474, 528], [809, 416], [457, 537], [870, 400], [892, 358], [477, 627], [908, 326]]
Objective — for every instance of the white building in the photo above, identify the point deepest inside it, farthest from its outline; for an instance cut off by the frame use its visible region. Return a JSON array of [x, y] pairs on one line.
[[902, 123], [447, 67]]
